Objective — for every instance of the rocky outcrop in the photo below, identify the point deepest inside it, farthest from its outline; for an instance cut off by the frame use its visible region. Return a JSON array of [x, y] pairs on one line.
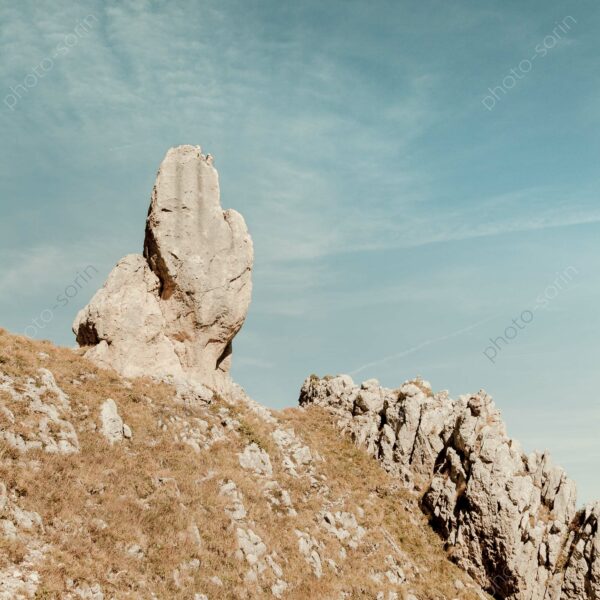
[[35, 415], [173, 312], [581, 578], [19, 526], [509, 519]]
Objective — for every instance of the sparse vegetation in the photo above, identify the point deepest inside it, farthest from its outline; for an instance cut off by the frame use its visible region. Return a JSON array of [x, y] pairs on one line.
[[123, 516]]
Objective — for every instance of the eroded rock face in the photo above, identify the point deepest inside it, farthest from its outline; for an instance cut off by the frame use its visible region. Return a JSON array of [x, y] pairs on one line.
[[173, 312], [509, 519], [582, 572]]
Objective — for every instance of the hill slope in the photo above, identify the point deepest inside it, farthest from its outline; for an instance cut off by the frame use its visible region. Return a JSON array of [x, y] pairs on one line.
[[165, 492]]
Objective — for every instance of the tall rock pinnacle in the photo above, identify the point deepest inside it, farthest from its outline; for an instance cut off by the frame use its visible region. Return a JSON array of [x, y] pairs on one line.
[[174, 311]]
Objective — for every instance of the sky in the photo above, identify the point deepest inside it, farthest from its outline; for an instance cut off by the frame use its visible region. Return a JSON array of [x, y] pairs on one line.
[[420, 180]]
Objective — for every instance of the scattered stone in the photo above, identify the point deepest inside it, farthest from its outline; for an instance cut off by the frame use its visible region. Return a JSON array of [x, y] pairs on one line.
[[309, 548], [47, 413], [113, 428], [297, 457], [84, 591], [135, 551], [17, 524], [257, 460], [344, 527], [236, 509]]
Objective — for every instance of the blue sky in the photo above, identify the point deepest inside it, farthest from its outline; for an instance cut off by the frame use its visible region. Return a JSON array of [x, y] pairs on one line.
[[400, 219]]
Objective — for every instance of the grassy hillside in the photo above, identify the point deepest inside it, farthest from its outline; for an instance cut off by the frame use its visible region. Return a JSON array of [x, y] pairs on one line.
[[205, 500]]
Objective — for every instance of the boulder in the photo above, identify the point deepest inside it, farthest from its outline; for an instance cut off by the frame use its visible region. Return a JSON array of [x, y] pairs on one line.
[[111, 423]]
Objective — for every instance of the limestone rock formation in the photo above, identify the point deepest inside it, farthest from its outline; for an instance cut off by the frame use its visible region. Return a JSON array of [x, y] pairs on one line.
[[173, 312], [34, 415], [581, 578], [509, 519]]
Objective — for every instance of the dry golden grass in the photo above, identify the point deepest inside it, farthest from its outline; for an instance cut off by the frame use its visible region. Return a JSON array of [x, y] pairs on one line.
[[388, 507], [149, 491]]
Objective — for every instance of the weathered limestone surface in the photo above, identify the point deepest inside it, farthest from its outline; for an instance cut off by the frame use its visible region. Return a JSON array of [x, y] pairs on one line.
[[38, 416], [510, 519], [173, 312]]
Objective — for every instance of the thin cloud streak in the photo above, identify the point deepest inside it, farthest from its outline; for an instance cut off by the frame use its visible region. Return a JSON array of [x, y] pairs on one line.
[[420, 346]]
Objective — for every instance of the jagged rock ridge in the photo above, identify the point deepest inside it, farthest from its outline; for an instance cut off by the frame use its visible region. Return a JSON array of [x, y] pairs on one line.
[[174, 311], [509, 519]]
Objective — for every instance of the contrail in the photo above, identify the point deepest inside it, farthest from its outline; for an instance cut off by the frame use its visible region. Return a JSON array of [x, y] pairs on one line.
[[122, 147], [419, 346]]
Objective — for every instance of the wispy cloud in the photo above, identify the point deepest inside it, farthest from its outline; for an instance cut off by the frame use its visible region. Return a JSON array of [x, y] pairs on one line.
[[258, 363], [420, 346], [45, 269]]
